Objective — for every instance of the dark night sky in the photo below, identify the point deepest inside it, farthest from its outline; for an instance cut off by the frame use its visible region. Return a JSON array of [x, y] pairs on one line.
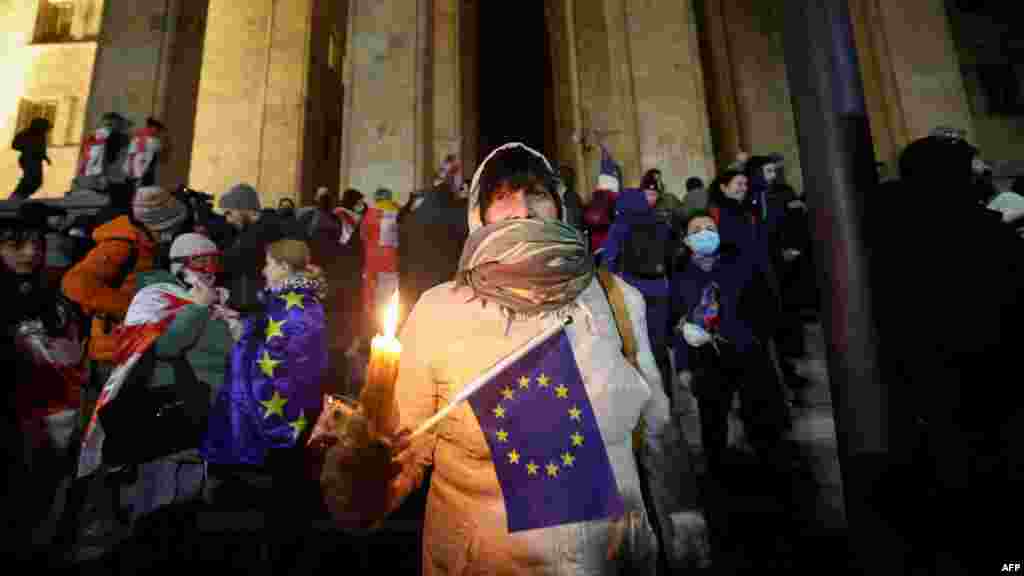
[[513, 66]]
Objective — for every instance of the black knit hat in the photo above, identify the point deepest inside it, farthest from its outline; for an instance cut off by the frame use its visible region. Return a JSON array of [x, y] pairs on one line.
[[30, 217]]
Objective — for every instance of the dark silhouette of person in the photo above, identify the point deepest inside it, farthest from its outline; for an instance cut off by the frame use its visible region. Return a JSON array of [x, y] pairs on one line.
[[31, 143]]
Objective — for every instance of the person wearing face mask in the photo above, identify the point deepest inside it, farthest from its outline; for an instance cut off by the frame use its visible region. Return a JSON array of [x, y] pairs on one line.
[[523, 270], [104, 282], [718, 297], [188, 365]]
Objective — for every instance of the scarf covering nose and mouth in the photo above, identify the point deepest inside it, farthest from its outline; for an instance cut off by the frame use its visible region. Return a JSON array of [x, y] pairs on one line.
[[526, 266]]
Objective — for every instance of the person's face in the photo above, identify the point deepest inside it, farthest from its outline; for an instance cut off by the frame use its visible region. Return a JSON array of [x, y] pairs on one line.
[[24, 256], [508, 203], [275, 272], [736, 189], [203, 269], [652, 197], [237, 218], [700, 224], [770, 172]]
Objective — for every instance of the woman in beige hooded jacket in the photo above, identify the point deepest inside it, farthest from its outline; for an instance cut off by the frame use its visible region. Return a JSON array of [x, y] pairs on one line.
[[448, 341]]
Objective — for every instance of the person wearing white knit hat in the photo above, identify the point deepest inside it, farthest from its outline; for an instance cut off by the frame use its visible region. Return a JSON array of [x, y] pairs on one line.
[[200, 333]]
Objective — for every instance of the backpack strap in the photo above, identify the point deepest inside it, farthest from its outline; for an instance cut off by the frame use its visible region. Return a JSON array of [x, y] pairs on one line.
[[620, 313]]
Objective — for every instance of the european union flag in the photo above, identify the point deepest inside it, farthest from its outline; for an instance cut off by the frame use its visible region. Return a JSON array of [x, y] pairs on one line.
[[544, 440]]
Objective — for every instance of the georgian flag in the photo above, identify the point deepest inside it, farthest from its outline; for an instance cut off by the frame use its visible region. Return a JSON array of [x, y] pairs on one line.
[[151, 312]]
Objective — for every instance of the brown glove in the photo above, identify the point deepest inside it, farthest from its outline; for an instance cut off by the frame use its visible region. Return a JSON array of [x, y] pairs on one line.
[[356, 483]]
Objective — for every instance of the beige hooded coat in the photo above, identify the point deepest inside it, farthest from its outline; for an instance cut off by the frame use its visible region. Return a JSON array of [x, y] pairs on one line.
[[448, 342]]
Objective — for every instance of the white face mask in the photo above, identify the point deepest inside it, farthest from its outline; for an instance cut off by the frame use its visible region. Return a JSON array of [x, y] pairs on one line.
[[695, 335]]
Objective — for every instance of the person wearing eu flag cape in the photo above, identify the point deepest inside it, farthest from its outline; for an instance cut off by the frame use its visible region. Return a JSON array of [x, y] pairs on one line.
[[536, 473]]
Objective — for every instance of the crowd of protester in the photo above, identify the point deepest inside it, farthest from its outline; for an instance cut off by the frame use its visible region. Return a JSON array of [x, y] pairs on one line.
[[188, 352]]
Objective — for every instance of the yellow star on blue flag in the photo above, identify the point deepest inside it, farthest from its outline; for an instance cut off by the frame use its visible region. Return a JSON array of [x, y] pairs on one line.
[[298, 425], [275, 405], [274, 328], [267, 364], [292, 299], [546, 447]]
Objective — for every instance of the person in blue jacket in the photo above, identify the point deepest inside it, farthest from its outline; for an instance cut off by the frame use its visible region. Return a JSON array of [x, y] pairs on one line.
[[639, 249], [720, 303]]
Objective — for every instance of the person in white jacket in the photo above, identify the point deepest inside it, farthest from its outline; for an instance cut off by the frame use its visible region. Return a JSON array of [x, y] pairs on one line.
[[449, 340]]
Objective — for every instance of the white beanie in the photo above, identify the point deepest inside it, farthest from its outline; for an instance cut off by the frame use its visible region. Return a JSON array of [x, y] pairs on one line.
[[187, 245]]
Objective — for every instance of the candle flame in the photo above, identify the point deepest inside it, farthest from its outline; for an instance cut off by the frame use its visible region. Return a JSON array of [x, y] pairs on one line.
[[390, 317]]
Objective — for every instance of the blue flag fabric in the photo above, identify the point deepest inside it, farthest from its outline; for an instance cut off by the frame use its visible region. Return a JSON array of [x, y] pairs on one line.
[[271, 395], [547, 449]]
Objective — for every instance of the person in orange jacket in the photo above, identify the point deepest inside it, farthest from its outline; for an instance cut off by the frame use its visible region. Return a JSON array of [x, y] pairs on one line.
[[103, 283], [379, 233]]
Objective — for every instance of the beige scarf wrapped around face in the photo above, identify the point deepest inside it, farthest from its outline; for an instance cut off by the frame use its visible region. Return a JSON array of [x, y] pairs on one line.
[[526, 266]]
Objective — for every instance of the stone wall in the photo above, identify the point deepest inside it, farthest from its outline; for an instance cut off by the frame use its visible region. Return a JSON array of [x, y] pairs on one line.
[[251, 103], [912, 79], [668, 84], [743, 48], [59, 72], [383, 130]]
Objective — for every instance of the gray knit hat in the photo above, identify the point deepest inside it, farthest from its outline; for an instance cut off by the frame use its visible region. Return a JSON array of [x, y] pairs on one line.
[[157, 208], [240, 197]]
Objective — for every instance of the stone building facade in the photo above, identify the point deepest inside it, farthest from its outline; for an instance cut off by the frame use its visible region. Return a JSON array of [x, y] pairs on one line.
[[290, 95]]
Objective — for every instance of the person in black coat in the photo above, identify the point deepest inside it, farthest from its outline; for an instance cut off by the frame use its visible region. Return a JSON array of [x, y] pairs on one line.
[[31, 143], [946, 280], [244, 259], [430, 243], [720, 304]]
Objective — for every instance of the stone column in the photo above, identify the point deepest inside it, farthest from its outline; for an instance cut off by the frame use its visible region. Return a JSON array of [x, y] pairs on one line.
[[911, 71], [447, 84], [130, 60], [668, 88], [751, 31], [621, 115], [589, 29], [250, 109], [724, 120], [469, 45], [284, 107], [384, 97]]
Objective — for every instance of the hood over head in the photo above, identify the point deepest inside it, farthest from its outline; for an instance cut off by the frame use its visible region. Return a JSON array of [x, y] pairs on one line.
[[936, 163], [505, 161], [632, 201]]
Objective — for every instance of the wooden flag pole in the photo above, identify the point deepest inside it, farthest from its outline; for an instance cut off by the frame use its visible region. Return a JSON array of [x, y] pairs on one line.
[[486, 377]]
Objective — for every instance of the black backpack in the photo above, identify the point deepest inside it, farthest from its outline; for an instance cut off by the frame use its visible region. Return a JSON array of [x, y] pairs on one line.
[[644, 254]]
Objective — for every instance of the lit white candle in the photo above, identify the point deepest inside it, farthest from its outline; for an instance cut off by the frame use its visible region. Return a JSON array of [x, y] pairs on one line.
[[378, 395]]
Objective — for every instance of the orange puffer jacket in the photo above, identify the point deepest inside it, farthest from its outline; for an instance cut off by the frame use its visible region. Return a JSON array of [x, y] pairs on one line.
[[92, 282]]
